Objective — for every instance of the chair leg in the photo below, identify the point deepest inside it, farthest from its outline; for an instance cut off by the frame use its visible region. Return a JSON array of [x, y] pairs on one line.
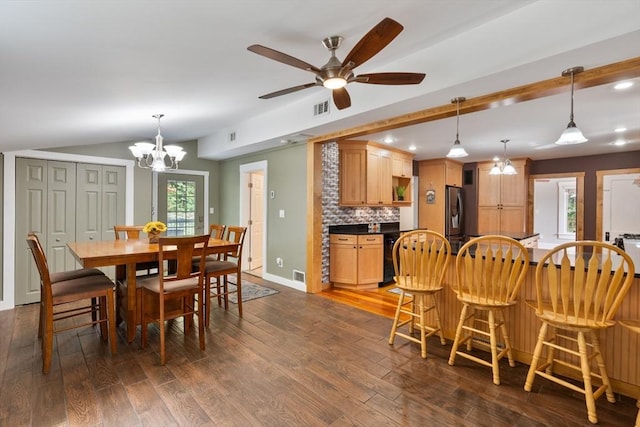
[[595, 342], [201, 323], [47, 342], [458, 337], [506, 339], [103, 317], [239, 292], [586, 377], [111, 321], [143, 321], [163, 353], [531, 375], [423, 333], [207, 299], [495, 367], [225, 291], [438, 321], [550, 352], [394, 325]]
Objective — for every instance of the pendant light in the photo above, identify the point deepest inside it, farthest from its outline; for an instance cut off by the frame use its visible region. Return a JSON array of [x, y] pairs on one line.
[[571, 135], [152, 156], [457, 150], [505, 167]]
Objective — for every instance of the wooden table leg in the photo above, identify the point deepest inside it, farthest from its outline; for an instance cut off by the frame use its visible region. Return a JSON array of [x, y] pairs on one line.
[[131, 302]]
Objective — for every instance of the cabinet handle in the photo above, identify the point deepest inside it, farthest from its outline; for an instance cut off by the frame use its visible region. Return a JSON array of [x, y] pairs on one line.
[[342, 238], [371, 239]]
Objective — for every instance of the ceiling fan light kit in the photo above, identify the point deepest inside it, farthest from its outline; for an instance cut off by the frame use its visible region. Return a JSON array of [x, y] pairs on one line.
[[335, 75], [152, 156], [457, 150], [571, 135], [505, 167]]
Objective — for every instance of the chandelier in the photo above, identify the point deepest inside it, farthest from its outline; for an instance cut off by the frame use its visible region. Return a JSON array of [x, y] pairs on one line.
[[457, 150], [153, 156], [504, 167]]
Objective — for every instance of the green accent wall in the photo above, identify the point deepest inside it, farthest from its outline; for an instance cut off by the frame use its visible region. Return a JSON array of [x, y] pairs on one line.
[[287, 177]]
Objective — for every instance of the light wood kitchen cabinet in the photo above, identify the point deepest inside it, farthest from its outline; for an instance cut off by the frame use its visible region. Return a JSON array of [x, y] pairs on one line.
[[353, 167], [402, 165], [379, 182], [366, 174], [356, 261], [502, 199], [435, 175]]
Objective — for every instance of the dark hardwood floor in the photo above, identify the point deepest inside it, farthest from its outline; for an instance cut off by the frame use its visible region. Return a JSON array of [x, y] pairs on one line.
[[295, 359]]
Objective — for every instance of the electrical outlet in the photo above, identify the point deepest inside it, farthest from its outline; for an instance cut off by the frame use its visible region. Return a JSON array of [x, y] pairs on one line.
[[280, 262]]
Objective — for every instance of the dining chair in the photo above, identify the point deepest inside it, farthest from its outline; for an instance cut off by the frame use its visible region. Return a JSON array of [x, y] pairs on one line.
[[216, 231], [63, 276], [132, 232], [74, 289], [229, 263], [489, 272], [420, 261], [579, 287], [172, 294]]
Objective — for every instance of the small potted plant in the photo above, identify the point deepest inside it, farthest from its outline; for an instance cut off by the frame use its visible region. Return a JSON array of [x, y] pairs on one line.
[[400, 192], [153, 229]]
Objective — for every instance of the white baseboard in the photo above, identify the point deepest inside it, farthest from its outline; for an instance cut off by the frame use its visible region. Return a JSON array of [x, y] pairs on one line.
[[285, 282]]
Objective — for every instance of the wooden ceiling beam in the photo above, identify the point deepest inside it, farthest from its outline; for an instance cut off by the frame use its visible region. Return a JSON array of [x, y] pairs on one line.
[[605, 74]]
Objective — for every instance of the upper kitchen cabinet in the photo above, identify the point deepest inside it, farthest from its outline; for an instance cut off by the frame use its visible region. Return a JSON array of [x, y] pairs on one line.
[[434, 175], [502, 199], [368, 174]]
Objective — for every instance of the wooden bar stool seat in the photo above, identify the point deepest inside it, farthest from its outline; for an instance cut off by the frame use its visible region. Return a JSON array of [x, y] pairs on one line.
[[489, 273], [579, 287], [420, 260]]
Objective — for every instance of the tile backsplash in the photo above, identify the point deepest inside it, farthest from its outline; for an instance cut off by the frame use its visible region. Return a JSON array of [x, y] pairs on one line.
[[334, 214]]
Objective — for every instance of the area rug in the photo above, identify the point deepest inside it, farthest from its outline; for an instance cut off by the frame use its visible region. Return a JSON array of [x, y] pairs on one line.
[[397, 291], [250, 290]]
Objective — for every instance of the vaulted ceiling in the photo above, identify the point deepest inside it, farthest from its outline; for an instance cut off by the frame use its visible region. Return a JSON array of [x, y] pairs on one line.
[[82, 73]]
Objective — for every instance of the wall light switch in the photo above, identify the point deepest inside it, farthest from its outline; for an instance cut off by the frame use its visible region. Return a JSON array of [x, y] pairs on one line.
[[212, 210], [281, 213]]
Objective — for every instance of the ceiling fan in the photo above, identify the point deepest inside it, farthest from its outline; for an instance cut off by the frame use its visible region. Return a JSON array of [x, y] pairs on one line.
[[335, 75]]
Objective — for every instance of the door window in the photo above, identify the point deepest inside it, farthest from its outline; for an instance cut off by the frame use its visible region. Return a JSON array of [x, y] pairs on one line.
[[181, 208]]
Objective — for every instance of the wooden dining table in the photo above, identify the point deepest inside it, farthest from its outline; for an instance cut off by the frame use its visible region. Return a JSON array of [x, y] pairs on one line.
[[105, 253]]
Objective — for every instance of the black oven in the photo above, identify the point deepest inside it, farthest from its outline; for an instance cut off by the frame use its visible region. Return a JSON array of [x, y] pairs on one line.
[[389, 239]]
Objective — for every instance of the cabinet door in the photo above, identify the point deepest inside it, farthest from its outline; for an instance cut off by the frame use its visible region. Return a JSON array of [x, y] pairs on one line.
[[379, 182], [488, 186], [514, 192], [401, 166], [370, 263], [512, 219], [488, 219], [343, 263], [352, 173]]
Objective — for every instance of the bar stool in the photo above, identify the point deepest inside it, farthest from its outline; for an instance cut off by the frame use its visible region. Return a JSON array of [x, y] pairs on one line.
[[634, 326], [579, 287], [489, 273], [420, 260]]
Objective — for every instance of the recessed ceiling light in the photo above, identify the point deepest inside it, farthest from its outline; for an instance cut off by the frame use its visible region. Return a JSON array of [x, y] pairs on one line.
[[623, 85], [619, 143], [412, 147], [387, 140], [620, 129]]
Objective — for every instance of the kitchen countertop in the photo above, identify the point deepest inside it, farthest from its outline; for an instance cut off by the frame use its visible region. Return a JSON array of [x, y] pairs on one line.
[[359, 229], [513, 235]]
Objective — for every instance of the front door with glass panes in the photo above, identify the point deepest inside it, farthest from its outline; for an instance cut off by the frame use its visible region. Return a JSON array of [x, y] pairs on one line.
[[181, 203]]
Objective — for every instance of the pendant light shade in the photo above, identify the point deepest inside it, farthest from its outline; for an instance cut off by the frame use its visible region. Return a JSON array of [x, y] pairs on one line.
[[457, 150], [571, 135]]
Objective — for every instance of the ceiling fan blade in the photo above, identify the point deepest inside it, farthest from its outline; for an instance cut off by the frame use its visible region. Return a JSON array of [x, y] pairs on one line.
[[390, 78], [282, 57], [373, 42], [288, 90], [341, 98]]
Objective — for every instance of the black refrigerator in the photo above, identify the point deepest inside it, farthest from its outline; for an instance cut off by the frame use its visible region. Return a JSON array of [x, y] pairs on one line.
[[454, 212]]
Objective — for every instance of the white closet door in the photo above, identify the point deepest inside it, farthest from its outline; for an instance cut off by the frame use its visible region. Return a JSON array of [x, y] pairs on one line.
[[31, 215], [61, 215]]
